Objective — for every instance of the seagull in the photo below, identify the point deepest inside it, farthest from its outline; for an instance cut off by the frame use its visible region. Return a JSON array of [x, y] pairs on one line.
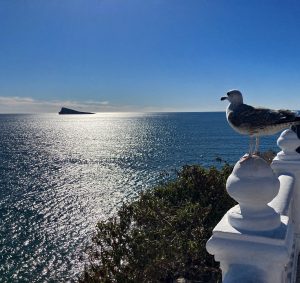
[[256, 122]]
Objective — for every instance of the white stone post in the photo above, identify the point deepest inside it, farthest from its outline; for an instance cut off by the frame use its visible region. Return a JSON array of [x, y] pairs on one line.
[[252, 242], [287, 162]]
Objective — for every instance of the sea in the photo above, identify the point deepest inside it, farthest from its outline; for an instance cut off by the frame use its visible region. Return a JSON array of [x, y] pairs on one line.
[[60, 174]]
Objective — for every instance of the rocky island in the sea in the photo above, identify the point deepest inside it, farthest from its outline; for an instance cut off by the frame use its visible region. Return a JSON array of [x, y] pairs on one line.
[[65, 110]]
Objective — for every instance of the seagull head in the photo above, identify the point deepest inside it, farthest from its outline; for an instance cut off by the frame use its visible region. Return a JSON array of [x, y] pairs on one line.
[[234, 96]]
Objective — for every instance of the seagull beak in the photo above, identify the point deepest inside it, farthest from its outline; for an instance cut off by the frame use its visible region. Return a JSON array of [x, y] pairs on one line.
[[224, 97]]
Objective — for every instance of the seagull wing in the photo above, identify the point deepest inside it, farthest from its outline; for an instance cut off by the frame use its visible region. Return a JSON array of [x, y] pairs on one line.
[[246, 115]]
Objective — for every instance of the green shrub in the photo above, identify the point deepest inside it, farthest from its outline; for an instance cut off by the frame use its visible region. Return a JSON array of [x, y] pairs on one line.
[[161, 236]]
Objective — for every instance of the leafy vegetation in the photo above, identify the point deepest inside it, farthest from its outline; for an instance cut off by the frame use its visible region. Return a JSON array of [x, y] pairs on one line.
[[161, 236]]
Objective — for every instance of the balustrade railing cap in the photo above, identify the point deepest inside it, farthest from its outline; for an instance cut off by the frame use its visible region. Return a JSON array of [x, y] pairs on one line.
[[252, 167], [289, 144], [252, 180], [253, 184]]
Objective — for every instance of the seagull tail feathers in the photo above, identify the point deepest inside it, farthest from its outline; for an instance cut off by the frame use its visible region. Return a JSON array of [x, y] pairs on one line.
[[297, 120], [296, 129]]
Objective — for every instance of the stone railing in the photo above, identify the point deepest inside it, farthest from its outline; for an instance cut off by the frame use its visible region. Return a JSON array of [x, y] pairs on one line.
[[258, 240]]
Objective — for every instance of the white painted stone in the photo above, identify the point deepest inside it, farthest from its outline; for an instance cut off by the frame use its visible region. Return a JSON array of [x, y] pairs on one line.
[[250, 256], [258, 240], [287, 162], [282, 202], [253, 185], [253, 242], [244, 273], [288, 142]]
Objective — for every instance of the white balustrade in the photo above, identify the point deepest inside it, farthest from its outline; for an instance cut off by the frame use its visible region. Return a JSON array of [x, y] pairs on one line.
[[258, 240]]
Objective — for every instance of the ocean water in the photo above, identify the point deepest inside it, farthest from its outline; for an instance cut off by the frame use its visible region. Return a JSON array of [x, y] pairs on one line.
[[60, 174]]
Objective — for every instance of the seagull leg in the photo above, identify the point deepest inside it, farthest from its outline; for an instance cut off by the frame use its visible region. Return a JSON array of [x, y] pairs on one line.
[[256, 145], [251, 146], [248, 155]]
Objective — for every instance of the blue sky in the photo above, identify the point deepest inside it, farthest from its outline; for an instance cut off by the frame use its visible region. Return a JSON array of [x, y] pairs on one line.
[[147, 55]]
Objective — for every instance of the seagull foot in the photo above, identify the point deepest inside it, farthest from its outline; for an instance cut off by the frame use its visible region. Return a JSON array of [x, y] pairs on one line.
[[245, 157]]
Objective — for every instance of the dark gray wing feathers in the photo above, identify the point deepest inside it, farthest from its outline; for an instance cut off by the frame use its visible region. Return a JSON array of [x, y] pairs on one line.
[[258, 117]]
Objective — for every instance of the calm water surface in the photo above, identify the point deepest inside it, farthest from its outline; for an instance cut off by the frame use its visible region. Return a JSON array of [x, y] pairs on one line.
[[60, 174]]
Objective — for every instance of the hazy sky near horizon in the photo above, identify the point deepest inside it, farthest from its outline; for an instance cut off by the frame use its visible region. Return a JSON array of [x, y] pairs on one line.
[[147, 55]]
